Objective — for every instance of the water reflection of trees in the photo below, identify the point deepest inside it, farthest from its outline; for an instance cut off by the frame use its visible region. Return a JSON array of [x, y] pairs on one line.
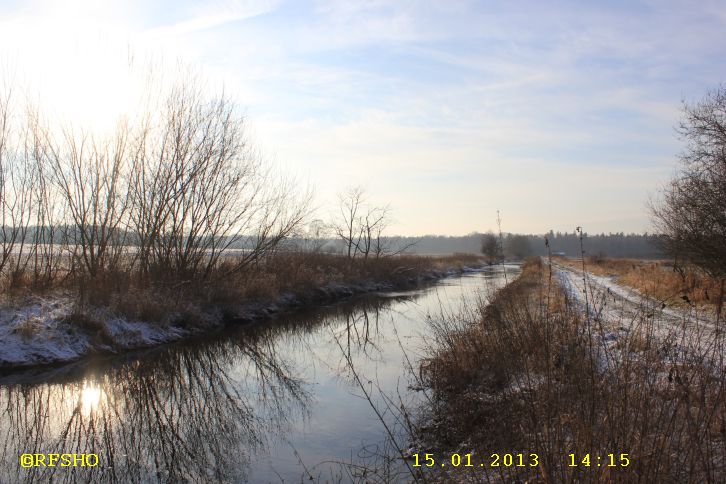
[[361, 335], [196, 412], [192, 414], [359, 342]]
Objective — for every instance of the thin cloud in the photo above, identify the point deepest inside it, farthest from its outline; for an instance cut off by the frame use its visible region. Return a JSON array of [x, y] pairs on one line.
[[210, 20]]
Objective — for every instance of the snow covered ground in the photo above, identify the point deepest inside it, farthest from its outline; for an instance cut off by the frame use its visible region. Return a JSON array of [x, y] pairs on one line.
[[42, 330], [615, 311]]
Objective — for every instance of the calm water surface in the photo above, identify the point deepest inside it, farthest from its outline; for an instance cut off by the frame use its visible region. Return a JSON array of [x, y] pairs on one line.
[[275, 402]]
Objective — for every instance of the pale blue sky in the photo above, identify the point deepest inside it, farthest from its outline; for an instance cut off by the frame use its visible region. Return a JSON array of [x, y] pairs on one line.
[[556, 113]]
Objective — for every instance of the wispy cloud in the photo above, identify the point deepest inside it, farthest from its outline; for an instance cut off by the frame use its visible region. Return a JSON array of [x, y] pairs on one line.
[[554, 113], [214, 15]]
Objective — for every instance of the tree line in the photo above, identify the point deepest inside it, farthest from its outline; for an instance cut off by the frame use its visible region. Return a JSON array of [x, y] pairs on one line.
[[519, 246]]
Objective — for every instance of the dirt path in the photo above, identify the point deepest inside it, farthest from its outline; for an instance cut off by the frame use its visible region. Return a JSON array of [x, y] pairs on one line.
[[617, 310]]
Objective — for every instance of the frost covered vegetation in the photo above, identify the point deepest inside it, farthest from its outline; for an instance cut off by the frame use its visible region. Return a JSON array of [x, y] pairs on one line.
[[551, 370]]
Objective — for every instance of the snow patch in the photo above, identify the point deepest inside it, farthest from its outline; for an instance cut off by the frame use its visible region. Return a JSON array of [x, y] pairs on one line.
[[36, 333]]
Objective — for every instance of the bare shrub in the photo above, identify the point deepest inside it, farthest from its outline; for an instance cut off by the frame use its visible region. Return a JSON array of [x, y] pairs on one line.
[[360, 226], [199, 189], [691, 213], [87, 172], [18, 183], [175, 195]]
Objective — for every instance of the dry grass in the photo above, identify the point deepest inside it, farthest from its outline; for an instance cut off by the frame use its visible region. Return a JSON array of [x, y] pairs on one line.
[[526, 374], [170, 300], [281, 281], [656, 279], [303, 274]]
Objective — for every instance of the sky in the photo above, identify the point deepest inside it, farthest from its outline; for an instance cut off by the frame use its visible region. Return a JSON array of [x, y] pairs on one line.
[[557, 114]]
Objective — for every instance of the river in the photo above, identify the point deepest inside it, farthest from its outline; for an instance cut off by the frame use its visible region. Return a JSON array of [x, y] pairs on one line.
[[302, 396]]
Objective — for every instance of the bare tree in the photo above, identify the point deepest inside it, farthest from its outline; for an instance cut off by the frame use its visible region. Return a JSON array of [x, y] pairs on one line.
[[372, 225], [49, 242], [19, 188], [87, 172], [8, 168], [691, 213], [205, 170], [360, 226], [199, 189], [180, 182], [347, 226], [312, 238]]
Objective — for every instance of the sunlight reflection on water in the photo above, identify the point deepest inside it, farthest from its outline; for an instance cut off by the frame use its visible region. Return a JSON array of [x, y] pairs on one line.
[[90, 398]]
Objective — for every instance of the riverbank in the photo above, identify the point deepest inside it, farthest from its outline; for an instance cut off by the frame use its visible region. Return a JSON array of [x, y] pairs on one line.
[[584, 387], [114, 315]]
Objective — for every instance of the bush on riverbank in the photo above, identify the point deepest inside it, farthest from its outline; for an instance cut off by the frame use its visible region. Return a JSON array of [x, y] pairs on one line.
[[528, 374]]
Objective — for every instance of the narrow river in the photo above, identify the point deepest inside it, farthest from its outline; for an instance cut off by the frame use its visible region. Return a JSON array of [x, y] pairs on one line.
[[277, 402]]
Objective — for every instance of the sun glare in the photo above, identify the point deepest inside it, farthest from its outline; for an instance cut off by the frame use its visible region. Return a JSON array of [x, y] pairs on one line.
[[77, 67], [90, 398]]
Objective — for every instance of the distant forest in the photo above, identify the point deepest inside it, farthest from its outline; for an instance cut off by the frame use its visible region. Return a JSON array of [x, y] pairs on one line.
[[644, 246]]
